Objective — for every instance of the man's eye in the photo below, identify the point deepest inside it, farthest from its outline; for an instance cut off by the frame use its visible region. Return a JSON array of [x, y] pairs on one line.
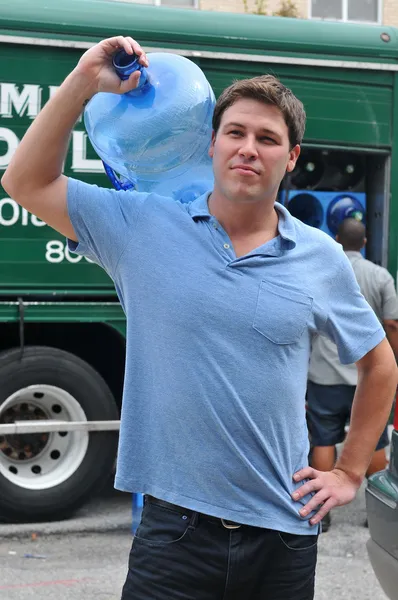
[[268, 140], [235, 132]]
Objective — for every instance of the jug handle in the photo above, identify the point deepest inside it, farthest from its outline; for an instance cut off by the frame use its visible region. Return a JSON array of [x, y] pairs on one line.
[[116, 180]]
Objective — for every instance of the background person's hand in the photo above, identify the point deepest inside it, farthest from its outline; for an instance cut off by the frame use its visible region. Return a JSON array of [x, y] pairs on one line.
[[330, 488], [96, 65]]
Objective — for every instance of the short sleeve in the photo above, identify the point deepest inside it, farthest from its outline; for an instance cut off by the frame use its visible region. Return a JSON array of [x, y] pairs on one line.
[[104, 221], [351, 323], [389, 298]]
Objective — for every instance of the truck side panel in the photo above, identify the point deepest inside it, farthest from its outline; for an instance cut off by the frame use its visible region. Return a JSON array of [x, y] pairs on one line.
[[32, 254]]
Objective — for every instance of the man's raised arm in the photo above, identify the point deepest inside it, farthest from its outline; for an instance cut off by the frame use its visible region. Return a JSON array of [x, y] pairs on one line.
[[34, 176]]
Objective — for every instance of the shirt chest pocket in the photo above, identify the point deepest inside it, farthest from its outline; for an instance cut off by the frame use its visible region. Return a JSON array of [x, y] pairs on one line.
[[281, 314]]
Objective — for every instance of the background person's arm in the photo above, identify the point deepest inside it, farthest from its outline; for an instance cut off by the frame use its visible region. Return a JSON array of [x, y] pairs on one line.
[[34, 176], [389, 308], [391, 329]]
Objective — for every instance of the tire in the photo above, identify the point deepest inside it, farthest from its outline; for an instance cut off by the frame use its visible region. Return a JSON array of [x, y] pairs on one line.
[[47, 476]]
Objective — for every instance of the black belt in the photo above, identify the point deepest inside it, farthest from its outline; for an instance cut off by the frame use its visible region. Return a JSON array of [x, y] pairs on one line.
[[224, 522]]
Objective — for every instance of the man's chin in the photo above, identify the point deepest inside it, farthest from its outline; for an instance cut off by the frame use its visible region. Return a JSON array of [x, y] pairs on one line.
[[246, 193]]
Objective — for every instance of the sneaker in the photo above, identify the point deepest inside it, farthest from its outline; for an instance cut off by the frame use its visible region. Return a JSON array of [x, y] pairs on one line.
[[326, 523]]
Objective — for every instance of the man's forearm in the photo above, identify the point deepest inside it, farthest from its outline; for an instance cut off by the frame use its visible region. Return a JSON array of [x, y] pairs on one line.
[[39, 158], [371, 408]]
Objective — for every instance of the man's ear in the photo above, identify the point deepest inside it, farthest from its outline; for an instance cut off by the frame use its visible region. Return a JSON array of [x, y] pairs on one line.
[[213, 139], [293, 156]]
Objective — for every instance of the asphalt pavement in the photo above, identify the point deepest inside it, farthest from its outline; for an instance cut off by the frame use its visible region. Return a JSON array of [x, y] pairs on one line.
[[85, 558], [107, 512]]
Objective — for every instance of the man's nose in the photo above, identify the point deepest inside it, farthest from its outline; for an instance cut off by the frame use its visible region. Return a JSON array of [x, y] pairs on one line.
[[248, 148]]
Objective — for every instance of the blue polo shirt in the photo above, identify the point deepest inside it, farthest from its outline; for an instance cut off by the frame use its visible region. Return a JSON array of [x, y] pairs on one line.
[[213, 414]]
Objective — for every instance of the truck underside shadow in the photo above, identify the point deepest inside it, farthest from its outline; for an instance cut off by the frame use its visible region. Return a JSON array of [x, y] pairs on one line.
[[98, 344]]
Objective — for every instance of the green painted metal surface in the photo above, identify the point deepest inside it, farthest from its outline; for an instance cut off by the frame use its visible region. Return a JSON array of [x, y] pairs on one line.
[[353, 108], [91, 19], [385, 485], [393, 224], [32, 254], [54, 312], [386, 481]]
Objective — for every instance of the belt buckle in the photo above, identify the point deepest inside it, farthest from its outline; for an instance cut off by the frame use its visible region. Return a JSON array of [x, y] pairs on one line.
[[230, 525]]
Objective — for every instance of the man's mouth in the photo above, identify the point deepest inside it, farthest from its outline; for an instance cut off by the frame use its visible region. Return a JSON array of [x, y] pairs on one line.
[[245, 169]]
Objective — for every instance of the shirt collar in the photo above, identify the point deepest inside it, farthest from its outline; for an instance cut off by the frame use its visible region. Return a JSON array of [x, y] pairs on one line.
[[199, 209], [353, 254], [287, 229]]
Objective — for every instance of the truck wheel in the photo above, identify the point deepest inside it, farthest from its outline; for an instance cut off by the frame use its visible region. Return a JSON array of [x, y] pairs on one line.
[[46, 476]]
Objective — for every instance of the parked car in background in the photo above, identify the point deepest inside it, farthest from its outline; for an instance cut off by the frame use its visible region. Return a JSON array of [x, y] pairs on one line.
[[382, 512]]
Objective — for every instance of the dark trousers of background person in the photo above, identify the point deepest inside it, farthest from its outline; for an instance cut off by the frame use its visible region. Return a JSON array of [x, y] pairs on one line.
[[328, 412], [178, 554]]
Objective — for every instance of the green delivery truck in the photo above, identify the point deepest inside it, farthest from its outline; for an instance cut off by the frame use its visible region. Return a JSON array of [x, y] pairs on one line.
[[62, 331]]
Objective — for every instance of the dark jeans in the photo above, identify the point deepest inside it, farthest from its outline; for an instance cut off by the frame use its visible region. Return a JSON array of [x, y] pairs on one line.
[[178, 554]]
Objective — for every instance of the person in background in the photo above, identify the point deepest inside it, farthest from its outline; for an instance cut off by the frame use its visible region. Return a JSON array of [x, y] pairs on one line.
[[222, 297], [332, 385]]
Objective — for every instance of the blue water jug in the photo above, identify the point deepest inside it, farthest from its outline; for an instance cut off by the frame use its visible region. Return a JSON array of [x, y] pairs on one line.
[[156, 137], [342, 207]]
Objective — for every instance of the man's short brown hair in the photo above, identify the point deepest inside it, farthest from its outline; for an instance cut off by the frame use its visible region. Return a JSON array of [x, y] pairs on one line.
[[267, 89]]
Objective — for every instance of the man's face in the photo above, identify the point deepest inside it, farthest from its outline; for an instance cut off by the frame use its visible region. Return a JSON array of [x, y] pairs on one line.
[[251, 151]]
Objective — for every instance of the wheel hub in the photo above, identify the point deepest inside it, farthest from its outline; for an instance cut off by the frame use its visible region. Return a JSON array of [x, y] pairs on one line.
[[41, 460], [25, 446]]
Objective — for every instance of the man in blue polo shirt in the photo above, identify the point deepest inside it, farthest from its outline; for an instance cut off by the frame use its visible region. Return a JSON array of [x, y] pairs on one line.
[[222, 298]]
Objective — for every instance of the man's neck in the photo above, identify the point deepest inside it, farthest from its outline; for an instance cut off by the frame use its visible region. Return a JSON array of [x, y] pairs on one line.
[[244, 219]]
